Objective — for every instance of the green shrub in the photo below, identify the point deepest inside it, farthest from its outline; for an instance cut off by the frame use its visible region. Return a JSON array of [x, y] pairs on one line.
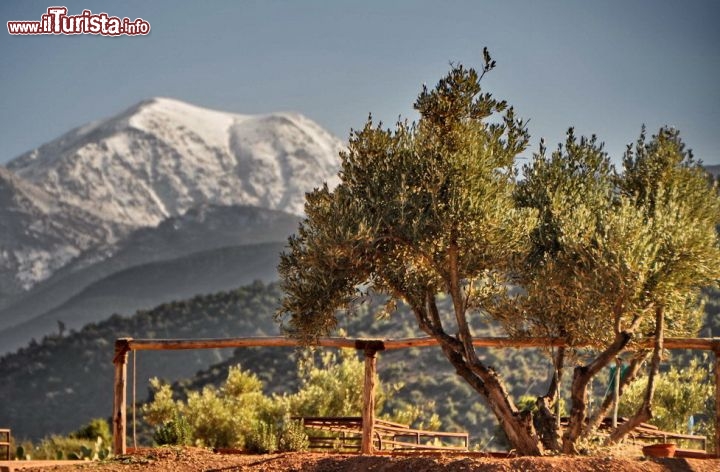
[[162, 408], [218, 417], [707, 427], [266, 437], [238, 414], [420, 416], [262, 439], [63, 447], [292, 436], [679, 394], [177, 432], [96, 428], [333, 386]]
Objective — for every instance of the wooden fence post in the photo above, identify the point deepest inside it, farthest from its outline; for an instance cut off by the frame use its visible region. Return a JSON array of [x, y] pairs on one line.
[[716, 350], [368, 413], [122, 347]]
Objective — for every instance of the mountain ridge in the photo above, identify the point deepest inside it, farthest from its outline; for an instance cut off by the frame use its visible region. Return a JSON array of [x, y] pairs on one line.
[[199, 231], [40, 234], [162, 156], [157, 159], [146, 286]]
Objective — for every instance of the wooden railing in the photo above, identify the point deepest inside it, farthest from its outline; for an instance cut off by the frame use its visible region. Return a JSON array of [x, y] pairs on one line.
[[387, 435], [370, 347], [5, 440]]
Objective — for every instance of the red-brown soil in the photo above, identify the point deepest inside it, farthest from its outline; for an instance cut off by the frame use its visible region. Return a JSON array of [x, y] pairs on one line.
[[188, 459]]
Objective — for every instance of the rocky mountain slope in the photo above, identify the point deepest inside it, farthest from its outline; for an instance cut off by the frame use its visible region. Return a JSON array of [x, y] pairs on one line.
[[200, 230], [145, 286], [69, 210], [39, 234], [162, 157]]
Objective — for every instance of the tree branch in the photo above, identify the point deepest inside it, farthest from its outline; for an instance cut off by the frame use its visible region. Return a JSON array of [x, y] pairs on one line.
[[644, 413], [457, 299], [578, 393], [630, 376]]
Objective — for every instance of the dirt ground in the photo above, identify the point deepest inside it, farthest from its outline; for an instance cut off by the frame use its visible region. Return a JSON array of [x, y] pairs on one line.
[[193, 459]]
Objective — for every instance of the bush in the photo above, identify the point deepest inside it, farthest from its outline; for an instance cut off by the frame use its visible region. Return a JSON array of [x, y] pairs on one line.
[[176, 432], [332, 387], [57, 447], [262, 439], [162, 408], [292, 436], [679, 394], [96, 428], [217, 417], [239, 415], [288, 436]]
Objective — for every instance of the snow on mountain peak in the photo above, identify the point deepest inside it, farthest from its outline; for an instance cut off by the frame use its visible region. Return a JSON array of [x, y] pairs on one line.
[[39, 234], [163, 156], [155, 114]]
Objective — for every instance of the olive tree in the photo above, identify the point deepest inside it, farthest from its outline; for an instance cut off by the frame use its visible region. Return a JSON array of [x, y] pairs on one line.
[[614, 259], [422, 211], [682, 207], [575, 251]]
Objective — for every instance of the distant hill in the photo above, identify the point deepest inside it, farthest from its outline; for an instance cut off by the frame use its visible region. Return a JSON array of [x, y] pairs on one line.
[[61, 382], [56, 384], [145, 286], [198, 231]]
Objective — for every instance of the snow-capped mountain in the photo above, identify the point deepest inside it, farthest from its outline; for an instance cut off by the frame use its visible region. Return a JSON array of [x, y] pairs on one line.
[[157, 159], [39, 234], [162, 157]]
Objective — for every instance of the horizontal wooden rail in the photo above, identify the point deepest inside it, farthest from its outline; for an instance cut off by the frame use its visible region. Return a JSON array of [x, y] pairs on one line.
[[129, 344], [414, 446], [385, 432]]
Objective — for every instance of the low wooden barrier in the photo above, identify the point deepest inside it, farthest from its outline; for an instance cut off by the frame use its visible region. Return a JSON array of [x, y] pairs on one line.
[[388, 435], [5, 440], [645, 432], [648, 432]]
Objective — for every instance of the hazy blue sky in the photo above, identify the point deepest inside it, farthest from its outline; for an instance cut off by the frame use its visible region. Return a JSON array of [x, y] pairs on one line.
[[605, 67]]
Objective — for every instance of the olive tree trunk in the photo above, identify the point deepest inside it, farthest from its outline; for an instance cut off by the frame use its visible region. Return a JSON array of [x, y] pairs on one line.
[[517, 425], [582, 375], [644, 413], [458, 349], [547, 422]]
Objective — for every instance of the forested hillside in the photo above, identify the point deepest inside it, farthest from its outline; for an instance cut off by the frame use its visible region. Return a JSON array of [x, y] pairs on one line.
[[61, 382], [55, 385], [147, 285]]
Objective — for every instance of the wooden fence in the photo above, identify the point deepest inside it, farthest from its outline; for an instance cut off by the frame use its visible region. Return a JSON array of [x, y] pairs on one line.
[[370, 347]]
